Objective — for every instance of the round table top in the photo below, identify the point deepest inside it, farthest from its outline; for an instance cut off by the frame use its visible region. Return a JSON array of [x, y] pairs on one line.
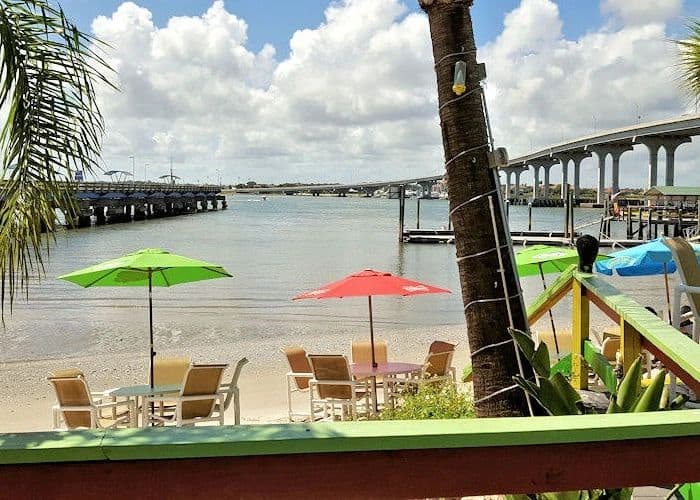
[[367, 370], [142, 390]]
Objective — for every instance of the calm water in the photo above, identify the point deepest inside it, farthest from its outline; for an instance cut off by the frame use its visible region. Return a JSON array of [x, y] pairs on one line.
[[275, 249]]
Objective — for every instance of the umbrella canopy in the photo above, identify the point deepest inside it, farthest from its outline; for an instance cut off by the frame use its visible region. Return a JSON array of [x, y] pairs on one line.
[[153, 265], [539, 259], [650, 258], [148, 268], [642, 260], [368, 283]]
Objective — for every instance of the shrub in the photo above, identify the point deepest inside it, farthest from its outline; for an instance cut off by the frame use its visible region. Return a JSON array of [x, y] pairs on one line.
[[433, 401]]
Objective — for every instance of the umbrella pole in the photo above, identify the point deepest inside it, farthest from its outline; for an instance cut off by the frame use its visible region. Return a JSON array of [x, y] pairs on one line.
[[150, 320], [551, 317], [371, 331], [668, 295]]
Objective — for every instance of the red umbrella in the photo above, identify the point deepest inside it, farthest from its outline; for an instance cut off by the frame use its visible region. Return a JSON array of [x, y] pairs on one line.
[[368, 283]]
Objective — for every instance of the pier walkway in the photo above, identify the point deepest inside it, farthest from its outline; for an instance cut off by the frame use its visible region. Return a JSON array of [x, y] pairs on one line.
[[113, 202]]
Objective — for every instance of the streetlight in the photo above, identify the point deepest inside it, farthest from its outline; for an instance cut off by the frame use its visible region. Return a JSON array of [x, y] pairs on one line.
[[639, 116], [133, 167], [595, 123]]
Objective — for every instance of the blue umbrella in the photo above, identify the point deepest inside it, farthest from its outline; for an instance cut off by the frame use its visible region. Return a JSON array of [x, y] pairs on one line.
[[650, 258]]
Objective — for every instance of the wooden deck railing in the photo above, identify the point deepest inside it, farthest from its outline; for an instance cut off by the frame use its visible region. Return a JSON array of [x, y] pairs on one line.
[[399, 459]]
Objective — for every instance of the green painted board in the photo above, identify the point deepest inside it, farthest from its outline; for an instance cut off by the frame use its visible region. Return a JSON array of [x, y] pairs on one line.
[[55, 446], [681, 349], [274, 439], [600, 366], [552, 290]]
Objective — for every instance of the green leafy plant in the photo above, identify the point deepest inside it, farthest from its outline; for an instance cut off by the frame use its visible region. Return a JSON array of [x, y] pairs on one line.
[[52, 127], [689, 50], [558, 397], [440, 400]]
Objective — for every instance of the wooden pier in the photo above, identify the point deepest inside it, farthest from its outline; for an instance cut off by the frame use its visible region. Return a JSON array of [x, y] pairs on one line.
[[522, 238], [102, 203]]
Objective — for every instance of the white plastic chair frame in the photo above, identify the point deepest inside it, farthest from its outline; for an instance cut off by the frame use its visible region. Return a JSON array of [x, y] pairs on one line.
[[293, 388], [327, 406], [95, 409], [232, 391], [215, 415]]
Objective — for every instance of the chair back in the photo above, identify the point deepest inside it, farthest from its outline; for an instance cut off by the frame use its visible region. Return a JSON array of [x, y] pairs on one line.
[[170, 370], [610, 347], [688, 268], [201, 380], [232, 386], [437, 364], [331, 367], [362, 351], [298, 363], [439, 346], [67, 372], [73, 391]]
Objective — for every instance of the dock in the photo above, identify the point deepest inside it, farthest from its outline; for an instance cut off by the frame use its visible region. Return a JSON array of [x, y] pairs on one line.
[[521, 238]]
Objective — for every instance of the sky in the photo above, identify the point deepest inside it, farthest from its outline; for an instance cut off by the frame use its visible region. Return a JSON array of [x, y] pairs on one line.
[[344, 90]]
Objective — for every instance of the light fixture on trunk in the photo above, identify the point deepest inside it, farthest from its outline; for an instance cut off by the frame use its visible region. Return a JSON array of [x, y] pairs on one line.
[[459, 85]]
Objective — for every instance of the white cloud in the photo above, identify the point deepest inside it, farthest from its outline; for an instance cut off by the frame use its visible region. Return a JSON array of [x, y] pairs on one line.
[[643, 11], [355, 99]]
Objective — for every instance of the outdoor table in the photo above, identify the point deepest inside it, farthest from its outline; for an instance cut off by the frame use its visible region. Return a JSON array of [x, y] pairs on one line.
[[365, 370], [141, 391]]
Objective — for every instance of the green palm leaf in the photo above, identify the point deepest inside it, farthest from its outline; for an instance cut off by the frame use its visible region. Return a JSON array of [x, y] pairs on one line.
[[48, 72], [690, 59]]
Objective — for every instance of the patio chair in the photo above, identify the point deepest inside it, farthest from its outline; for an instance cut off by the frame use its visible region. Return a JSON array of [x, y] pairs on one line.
[[689, 272], [77, 409], [442, 346], [98, 397], [332, 386], [298, 378], [437, 368], [200, 399], [169, 370], [362, 353], [232, 393]]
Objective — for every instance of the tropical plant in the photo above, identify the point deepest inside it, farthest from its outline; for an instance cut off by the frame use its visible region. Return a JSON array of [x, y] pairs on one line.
[[491, 299], [689, 49], [52, 127], [555, 394], [431, 402]]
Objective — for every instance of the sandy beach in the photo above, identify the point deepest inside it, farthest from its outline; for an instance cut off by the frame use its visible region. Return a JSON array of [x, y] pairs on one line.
[[26, 397]]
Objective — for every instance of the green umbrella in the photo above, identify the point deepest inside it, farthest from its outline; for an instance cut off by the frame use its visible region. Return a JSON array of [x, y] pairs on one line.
[[541, 259], [148, 267]]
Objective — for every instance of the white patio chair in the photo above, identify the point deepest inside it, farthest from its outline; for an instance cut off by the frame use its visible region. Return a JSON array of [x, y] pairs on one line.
[[77, 409], [297, 378], [232, 392], [332, 387], [200, 399]]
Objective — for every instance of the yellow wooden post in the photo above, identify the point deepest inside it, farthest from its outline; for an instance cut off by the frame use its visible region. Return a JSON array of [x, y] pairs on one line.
[[630, 344], [580, 326]]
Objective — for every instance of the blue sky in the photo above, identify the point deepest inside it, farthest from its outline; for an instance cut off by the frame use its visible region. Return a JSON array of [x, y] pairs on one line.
[[579, 16], [198, 91]]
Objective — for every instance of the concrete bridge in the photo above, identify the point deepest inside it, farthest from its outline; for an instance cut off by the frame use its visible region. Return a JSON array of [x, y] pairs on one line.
[[111, 202], [667, 134]]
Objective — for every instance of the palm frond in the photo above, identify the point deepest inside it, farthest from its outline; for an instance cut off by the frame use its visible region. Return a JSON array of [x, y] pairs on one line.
[[48, 73], [689, 49]]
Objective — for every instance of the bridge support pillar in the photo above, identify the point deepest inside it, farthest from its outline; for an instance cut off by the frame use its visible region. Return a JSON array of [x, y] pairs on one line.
[[139, 212], [600, 192], [577, 157], [508, 173], [615, 150], [535, 181], [546, 181], [653, 143], [670, 145], [224, 202], [214, 205], [516, 194], [564, 179]]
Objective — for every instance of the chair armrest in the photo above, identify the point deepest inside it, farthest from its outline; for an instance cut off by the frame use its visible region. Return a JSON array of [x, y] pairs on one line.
[[300, 375], [688, 288], [350, 383]]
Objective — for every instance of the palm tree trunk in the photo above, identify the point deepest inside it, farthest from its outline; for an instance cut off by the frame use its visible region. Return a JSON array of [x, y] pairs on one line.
[[468, 176]]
